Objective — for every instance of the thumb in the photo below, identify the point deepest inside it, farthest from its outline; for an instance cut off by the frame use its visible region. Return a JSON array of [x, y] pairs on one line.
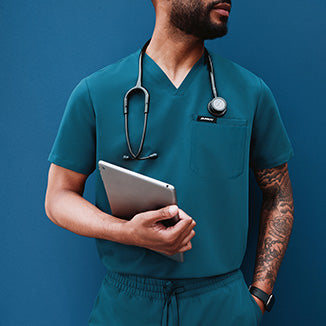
[[164, 213]]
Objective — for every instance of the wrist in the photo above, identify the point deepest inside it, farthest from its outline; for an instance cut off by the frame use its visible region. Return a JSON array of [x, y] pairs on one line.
[[262, 286], [126, 233], [116, 229], [267, 299]]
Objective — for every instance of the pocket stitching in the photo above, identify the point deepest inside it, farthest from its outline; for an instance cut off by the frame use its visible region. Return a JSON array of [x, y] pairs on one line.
[[237, 123]]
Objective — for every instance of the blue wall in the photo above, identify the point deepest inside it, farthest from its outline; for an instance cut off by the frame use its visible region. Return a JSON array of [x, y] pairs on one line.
[[50, 276]]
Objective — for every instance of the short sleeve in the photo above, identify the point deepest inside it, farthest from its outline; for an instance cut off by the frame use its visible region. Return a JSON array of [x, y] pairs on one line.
[[270, 145], [75, 145]]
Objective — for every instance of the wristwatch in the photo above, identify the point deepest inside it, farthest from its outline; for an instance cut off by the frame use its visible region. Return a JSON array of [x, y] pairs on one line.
[[268, 299]]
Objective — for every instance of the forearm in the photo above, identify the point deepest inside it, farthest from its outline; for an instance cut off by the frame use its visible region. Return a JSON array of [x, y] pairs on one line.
[[274, 234], [275, 227], [71, 211]]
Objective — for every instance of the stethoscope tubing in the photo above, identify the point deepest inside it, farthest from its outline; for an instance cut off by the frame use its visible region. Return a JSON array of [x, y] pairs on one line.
[[214, 106]]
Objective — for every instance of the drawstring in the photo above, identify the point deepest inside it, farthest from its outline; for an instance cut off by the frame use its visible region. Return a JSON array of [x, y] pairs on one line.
[[171, 303]]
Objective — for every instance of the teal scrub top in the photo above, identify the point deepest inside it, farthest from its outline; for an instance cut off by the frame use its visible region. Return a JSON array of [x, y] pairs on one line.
[[208, 163]]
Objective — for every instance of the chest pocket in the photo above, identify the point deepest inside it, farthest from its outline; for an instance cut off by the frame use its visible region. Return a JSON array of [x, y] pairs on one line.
[[218, 149]]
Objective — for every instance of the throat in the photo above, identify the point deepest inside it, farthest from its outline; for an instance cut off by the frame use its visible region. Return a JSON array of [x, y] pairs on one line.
[[177, 76], [175, 59]]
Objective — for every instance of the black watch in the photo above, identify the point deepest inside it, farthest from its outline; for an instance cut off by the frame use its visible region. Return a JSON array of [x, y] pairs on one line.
[[268, 299]]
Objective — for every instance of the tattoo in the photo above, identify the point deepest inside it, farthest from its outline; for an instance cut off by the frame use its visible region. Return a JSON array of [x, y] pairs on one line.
[[275, 225]]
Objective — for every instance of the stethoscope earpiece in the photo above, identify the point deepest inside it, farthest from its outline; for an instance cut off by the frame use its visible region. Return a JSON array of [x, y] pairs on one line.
[[217, 107]]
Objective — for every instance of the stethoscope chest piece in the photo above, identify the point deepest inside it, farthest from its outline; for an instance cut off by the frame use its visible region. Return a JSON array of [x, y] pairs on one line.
[[217, 106]]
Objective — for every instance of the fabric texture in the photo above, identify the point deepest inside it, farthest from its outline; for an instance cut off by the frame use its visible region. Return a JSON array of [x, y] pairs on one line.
[[208, 163], [223, 300]]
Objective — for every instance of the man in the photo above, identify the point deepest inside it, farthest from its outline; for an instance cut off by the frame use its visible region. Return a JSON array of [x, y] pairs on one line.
[[207, 160]]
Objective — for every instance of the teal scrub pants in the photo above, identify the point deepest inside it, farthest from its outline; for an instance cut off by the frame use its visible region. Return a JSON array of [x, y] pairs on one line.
[[223, 300]]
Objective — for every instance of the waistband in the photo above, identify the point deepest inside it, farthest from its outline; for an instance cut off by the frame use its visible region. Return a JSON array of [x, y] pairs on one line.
[[163, 288]]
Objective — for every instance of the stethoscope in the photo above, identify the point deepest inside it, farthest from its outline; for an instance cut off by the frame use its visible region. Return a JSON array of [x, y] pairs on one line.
[[216, 107]]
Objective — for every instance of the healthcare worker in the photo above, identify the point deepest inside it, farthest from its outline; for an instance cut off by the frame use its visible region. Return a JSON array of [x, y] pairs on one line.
[[197, 121]]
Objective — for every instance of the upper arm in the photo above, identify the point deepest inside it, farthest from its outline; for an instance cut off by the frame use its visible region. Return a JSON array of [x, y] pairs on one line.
[[270, 145], [62, 179], [274, 181]]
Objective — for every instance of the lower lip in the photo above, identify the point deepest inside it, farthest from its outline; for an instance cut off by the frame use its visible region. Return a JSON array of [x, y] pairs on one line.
[[222, 12]]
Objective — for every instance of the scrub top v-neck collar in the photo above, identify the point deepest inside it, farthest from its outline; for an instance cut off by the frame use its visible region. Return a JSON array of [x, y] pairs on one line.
[[153, 70]]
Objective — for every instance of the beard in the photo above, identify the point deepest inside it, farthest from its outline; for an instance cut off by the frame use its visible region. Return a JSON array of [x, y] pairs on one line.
[[193, 18]]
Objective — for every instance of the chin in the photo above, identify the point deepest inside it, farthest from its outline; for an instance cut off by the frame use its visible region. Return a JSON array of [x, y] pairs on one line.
[[218, 19], [220, 32]]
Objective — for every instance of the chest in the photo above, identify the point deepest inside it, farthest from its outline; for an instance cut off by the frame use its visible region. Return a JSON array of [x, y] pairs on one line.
[[184, 143]]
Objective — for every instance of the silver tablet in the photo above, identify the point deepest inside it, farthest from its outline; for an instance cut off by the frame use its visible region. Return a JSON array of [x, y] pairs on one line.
[[130, 193]]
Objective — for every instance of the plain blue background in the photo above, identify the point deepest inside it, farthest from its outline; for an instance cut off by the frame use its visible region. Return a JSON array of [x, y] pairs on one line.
[[50, 276]]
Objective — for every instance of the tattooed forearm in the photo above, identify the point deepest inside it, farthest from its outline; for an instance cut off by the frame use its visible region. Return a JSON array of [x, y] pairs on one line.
[[275, 224]]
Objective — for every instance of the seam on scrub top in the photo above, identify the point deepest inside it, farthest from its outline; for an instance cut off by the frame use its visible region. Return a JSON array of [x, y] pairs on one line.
[[55, 159], [182, 92], [276, 162], [259, 97], [89, 96], [238, 122]]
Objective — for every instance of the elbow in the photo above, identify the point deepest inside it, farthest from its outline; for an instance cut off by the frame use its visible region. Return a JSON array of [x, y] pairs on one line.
[[48, 207]]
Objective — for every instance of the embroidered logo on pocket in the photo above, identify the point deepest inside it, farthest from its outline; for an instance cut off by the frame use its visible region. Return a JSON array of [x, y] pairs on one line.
[[206, 119]]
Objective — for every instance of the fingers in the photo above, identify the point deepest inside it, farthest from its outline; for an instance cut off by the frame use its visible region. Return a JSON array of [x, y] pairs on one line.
[[169, 240], [187, 247], [180, 236], [183, 226], [188, 238], [185, 234]]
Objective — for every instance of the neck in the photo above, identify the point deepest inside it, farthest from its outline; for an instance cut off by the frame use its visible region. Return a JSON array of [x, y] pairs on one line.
[[174, 51]]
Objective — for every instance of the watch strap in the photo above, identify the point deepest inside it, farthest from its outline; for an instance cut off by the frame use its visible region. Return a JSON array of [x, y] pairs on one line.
[[268, 299]]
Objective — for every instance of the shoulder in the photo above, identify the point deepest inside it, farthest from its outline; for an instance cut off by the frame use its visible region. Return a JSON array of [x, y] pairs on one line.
[[235, 73], [117, 73]]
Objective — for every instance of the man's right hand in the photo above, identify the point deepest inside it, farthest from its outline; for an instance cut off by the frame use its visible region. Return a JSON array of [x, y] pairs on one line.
[[144, 230]]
